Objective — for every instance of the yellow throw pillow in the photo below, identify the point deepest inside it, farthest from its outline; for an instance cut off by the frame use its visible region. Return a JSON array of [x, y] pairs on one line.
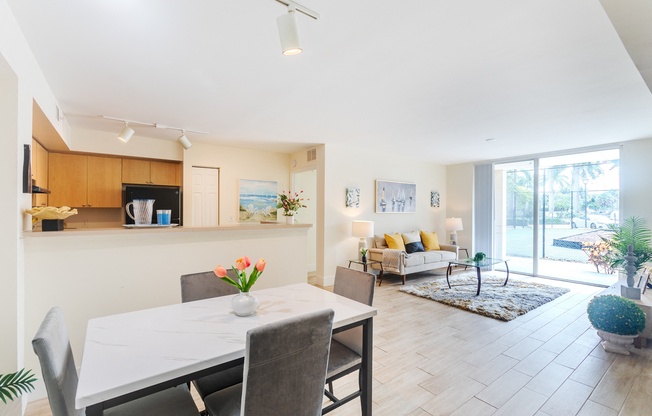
[[430, 241], [395, 241]]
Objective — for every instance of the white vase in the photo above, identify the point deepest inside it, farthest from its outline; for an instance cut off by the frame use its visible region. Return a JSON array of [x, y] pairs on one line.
[[620, 344], [289, 219], [244, 304]]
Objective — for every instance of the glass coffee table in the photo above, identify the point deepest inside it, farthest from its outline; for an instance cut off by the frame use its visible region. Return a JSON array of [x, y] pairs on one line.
[[478, 268]]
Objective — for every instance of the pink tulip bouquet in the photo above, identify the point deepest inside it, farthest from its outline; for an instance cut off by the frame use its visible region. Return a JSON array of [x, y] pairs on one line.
[[243, 282]]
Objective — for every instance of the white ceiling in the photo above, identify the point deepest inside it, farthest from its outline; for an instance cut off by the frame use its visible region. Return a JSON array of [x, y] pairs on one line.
[[430, 79]]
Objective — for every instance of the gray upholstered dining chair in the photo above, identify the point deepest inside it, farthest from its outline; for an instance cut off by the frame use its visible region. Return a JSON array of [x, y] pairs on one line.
[[204, 285], [52, 346], [346, 347], [285, 370]]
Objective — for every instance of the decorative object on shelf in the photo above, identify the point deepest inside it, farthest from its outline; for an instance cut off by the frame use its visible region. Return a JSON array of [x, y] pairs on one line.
[[434, 199], [453, 225], [395, 197], [353, 197], [618, 321], [243, 304], [479, 256], [362, 230], [290, 202], [13, 385], [51, 217], [257, 200], [363, 252]]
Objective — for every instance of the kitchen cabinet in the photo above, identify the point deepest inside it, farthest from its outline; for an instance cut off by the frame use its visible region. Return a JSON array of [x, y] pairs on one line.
[[150, 172], [39, 172], [81, 181]]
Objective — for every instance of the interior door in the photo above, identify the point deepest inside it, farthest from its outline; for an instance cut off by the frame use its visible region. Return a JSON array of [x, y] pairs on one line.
[[205, 197]]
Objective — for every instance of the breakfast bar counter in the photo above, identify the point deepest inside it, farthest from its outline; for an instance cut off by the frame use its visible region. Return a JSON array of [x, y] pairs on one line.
[[99, 272]]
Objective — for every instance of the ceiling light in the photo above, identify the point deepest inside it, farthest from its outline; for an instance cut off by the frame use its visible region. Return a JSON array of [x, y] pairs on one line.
[[288, 28], [126, 133], [288, 31], [184, 141]]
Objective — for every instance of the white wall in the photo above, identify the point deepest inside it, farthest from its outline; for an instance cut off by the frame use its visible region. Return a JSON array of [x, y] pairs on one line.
[[459, 186], [234, 164], [350, 166]]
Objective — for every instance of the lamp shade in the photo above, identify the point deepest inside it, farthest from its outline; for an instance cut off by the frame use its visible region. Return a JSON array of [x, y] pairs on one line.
[[288, 31], [362, 229], [454, 224]]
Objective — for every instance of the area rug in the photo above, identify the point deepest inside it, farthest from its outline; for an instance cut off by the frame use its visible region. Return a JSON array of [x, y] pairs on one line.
[[495, 300]]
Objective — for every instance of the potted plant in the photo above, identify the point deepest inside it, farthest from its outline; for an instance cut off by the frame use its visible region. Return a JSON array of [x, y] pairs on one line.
[[634, 232], [618, 321], [13, 385], [290, 202]]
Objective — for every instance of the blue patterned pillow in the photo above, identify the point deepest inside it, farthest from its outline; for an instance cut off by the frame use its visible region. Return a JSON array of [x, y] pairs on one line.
[[412, 242]]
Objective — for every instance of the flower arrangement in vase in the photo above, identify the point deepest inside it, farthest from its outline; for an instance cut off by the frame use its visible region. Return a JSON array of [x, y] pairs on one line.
[[618, 321], [243, 304], [363, 252], [290, 202]]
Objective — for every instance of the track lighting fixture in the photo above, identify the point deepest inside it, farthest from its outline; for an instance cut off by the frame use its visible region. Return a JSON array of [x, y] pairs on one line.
[[288, 32], [184, 141], [288, 27], [126, 133]]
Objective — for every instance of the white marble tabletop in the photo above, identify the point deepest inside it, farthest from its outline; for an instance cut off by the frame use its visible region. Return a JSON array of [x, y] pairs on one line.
[[127, 352]]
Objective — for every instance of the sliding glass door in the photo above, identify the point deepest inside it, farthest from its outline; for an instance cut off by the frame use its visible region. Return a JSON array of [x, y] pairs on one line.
[[549, 211]]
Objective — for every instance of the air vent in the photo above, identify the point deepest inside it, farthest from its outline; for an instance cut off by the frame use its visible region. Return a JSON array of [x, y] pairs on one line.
[[311, 155]]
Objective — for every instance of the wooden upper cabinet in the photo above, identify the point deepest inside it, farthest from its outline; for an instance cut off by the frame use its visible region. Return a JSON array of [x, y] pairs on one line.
[[80, 181], [148, 172], [135, 171], [165, 173], [68, 180], [39, 172], [104, 182]]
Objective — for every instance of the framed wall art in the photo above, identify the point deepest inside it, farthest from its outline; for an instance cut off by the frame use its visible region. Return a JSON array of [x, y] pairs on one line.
[[395, 197], [434, 199], [353, 197], [257, 200]]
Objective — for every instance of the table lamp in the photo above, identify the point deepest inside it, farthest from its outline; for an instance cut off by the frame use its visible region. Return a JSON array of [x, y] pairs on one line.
[[362, 229], [453, 225]]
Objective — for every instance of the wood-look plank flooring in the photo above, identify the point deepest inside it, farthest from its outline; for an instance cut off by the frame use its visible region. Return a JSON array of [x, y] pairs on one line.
[[431, 359]]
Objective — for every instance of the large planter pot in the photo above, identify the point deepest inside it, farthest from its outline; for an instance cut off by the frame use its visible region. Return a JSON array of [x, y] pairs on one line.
[[619, 344]]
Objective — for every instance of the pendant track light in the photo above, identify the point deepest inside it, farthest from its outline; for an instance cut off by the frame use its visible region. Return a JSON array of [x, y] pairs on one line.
[[184, 141], [288, 31], [126, 133], [288, 27]]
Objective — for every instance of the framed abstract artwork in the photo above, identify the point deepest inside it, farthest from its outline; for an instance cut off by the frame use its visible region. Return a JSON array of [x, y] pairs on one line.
[[353, 197], [395, 197], [434, 199], [257, 200]]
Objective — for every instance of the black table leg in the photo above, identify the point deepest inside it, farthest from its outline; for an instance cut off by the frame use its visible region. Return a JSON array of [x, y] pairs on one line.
[[507, 278], [448, 271], [479, 280], [365, 369]]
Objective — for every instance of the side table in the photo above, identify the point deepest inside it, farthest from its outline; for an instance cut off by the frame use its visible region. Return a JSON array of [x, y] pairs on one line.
[[369, 263]]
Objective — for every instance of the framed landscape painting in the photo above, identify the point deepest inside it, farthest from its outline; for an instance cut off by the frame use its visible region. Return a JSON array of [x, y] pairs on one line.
[[395, 197], [257, 200]]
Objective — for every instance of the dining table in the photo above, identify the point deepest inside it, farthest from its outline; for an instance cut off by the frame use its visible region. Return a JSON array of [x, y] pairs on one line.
[[134, 354]]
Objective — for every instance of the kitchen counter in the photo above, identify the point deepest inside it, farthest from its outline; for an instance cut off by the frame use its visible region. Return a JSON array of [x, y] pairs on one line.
[[146, 230], [98, 272]]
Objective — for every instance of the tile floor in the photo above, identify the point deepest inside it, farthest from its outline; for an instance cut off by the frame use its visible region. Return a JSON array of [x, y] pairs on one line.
[[432, 359]]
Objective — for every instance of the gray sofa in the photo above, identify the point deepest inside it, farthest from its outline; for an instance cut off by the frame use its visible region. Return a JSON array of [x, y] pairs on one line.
[[401, 263]]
